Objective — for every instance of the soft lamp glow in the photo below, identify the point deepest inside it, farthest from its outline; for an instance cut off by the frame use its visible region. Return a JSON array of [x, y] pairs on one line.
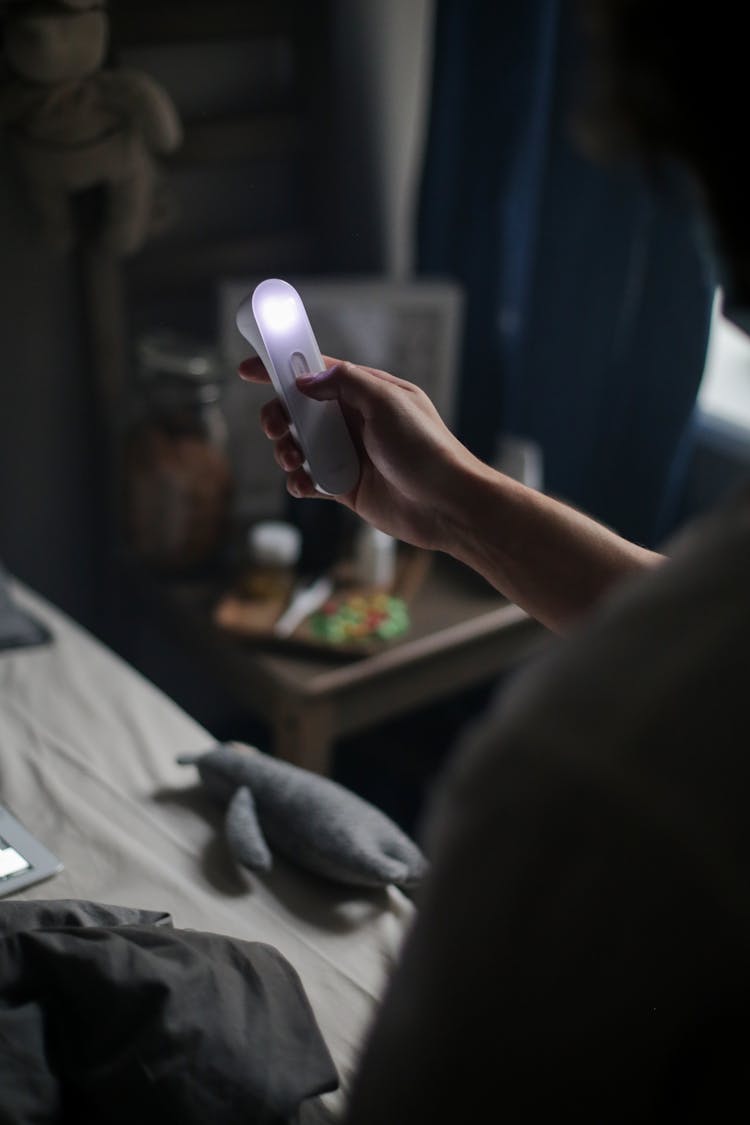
[[279, 313]]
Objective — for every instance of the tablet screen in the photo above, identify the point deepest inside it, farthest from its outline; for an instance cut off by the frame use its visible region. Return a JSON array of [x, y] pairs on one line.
[[23, 859], [11, 861]]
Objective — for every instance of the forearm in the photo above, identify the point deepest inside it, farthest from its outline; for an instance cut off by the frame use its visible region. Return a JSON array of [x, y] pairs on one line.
[[548, 558]]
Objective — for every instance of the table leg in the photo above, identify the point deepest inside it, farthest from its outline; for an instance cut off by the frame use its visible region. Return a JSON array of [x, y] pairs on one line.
[[305, 737]]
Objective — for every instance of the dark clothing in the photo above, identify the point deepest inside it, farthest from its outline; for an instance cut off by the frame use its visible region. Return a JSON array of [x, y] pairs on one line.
[[582, 948], [110, 1014]]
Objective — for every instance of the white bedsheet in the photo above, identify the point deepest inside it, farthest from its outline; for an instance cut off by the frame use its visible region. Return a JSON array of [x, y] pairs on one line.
[[87, 749]]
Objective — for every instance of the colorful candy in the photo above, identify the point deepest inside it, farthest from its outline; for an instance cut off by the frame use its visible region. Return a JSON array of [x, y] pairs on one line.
[[361, 617]]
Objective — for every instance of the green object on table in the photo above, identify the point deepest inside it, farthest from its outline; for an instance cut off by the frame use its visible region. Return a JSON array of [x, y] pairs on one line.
[[361, 617]]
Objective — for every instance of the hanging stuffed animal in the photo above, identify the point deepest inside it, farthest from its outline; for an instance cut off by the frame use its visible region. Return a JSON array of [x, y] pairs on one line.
[[72, 126]]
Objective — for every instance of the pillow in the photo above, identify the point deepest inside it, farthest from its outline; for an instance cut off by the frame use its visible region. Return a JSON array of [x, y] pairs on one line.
[[310, 820]]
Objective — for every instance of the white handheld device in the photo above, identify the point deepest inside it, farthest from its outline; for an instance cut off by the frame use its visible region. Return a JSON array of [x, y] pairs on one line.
[[273, 321]]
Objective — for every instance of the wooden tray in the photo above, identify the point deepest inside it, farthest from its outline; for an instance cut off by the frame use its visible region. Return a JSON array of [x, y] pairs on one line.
[[253, 620]]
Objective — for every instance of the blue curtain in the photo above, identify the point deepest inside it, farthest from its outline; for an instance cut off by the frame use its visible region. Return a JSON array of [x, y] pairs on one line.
[[588, 300]]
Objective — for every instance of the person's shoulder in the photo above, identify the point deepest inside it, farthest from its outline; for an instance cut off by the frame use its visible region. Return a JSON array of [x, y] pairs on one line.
[[646, 703]]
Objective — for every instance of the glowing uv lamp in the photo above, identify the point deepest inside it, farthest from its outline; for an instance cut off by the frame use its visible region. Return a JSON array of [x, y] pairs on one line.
[[273, 321]]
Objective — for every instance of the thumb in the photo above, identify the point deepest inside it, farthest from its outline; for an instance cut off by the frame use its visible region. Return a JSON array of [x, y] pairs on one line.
[[346, 382]]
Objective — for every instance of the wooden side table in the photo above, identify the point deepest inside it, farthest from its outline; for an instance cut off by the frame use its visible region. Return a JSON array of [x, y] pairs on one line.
[[463, 634]]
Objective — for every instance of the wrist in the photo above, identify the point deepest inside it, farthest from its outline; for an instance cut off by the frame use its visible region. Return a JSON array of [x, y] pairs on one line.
[[477, 501]]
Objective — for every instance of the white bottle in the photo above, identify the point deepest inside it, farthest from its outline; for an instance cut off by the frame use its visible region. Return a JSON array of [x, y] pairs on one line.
[[375, 558]]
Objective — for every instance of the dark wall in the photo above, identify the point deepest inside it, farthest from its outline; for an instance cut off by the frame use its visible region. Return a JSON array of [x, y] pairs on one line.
[[45, 437], [50, 464]]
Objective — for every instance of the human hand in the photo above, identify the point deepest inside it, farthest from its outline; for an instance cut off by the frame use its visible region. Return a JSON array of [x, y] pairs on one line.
[[411, 464]]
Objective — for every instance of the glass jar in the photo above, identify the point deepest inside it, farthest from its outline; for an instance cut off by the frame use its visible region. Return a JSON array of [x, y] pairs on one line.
[[178, 478]]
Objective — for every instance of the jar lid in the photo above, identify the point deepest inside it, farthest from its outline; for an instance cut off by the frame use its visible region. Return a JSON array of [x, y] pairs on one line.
[[173, 353], [274, 543]]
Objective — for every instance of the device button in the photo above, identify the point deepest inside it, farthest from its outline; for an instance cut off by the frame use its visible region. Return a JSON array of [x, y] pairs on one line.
[[298, 364]]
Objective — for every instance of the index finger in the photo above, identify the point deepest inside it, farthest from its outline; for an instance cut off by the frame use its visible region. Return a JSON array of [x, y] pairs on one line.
[[253, 371]]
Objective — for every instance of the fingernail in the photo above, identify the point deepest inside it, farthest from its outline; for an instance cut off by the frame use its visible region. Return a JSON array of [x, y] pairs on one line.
[[311, 378]]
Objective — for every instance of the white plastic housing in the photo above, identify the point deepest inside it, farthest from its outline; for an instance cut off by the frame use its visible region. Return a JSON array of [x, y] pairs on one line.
[[274, 322]]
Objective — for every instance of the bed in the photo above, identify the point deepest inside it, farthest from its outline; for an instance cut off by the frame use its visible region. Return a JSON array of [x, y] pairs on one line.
[[87, 763]]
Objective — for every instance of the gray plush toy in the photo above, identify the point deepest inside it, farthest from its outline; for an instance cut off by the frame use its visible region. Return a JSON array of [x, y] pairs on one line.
[[308, 819]]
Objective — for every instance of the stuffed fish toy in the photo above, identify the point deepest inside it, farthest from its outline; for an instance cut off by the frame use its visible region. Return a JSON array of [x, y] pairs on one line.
[[308, 819]]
